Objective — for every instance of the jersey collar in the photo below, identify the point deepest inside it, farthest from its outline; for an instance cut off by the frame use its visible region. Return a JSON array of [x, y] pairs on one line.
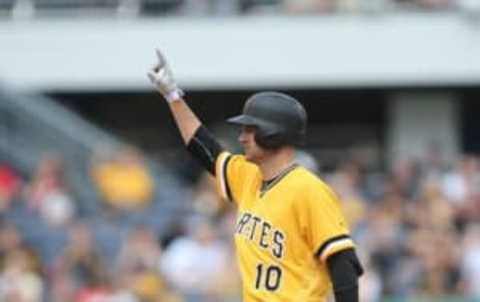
[[268, 184]]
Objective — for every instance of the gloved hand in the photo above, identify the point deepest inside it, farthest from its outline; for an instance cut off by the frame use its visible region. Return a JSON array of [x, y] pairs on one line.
[[162, 78]]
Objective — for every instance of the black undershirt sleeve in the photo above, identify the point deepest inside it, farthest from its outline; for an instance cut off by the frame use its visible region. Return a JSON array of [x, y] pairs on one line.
[[345, 268], [205, 148]]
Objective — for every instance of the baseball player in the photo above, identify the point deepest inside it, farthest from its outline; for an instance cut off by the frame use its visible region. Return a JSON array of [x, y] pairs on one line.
[[292, 241]]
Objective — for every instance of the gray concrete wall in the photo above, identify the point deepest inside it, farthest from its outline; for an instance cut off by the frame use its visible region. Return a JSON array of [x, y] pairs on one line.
[[416, 120]]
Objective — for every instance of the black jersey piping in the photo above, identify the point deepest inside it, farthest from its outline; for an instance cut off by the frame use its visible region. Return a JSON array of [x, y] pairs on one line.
[[277, 179], [324, 246], [225, 179]]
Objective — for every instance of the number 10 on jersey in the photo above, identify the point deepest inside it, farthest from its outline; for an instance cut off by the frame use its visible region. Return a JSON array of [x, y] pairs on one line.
[[268, 277]]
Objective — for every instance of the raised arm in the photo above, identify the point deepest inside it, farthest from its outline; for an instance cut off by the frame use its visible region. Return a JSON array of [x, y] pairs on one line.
[[162, 78], [198, 139]]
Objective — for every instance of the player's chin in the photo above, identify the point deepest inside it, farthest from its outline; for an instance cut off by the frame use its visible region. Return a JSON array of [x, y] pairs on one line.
[[249, 156]]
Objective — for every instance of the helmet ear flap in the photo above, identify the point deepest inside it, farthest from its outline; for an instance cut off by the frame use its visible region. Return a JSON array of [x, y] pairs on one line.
[[269, 141], [274, 137]]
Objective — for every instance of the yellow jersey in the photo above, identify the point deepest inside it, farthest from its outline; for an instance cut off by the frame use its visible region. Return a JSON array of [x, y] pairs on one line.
[[284, 233]]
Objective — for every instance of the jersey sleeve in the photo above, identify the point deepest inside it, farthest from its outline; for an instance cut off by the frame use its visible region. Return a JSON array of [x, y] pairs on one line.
[[324, 224], [234, 176]]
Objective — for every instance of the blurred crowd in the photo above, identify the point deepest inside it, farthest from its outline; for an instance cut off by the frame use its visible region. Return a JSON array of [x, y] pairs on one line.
[[21, 9], [417, 226], [294, 7], [134, 248]]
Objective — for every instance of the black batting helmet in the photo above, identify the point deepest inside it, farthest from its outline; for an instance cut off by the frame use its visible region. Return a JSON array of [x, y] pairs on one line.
[[279, 118]]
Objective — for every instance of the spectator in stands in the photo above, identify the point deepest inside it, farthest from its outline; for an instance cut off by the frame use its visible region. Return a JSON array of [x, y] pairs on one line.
[[138, 266], [9, 186], [150, 287], [10, 240], [80, 270], [20, 267], [381, 238], [470, 263], [435, 4], [195, 264], [123, 178], [362, 6], [404, 178], [48, 193], [205, 198], [347, 183], [461, 186], [230, 285], [19, 280], [370, 284], [428, 224], [308, 6], [261, 7], [121, 294], [437, 274], [140, 252], [47, 178], [427, 4], [210, 7]]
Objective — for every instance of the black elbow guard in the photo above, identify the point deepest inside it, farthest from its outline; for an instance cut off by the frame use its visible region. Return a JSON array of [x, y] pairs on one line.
[[345, 268], [205, 148]]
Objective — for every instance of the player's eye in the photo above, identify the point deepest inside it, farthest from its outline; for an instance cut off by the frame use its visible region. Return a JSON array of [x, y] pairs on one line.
[[247, 129]]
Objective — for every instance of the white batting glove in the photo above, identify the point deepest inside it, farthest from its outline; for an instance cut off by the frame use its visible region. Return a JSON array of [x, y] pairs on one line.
[[162, 78]]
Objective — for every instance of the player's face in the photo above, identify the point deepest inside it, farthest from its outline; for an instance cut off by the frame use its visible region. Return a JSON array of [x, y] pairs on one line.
[[253, 152]]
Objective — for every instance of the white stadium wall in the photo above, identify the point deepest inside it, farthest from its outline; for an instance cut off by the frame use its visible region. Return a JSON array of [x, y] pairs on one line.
[[298, 52]]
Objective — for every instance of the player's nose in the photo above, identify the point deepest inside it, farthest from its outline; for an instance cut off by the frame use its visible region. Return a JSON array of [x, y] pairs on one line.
[[242, 137]]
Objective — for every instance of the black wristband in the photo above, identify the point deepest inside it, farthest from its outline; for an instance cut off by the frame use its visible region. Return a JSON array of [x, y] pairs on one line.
[[205, 148]]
